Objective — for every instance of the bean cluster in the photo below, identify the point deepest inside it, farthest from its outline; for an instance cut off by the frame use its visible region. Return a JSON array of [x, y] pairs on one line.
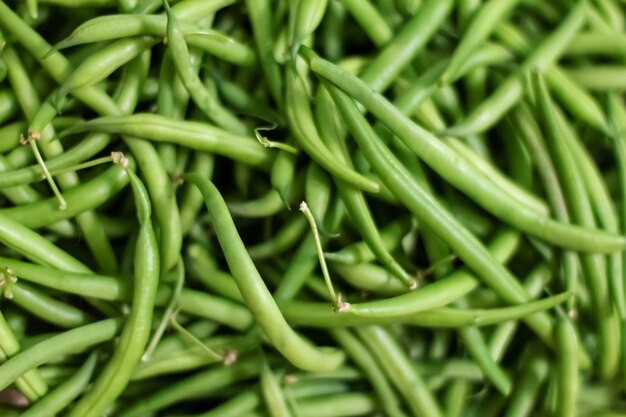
[[312, 208]]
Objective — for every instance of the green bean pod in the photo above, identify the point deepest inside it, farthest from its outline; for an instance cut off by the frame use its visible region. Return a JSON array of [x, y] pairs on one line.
[[254, 291]]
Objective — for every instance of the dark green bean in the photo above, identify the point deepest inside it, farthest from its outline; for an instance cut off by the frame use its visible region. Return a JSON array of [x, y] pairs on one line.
[[254, 291], [134, 338], [68, 342], [64, 394]]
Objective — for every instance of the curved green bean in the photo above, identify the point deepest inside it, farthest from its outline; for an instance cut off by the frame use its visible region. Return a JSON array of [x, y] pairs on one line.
[[254, 291]]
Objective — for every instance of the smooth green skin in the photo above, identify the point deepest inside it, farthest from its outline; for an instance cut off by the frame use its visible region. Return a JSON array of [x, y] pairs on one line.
[[567, 377], [303, 127], [604, 209], [195, 135], [56, 400], [136, 332], [368, 18], [84, 197], [48, 309], [577, 100], [353, 199], [260, 16], [371, 278], [531, 135], [409, 41], [110, 27], [593, 265], [597, 43], [221, 310], [198, 385], [103, 63], [84, 150], [266, 205], [188, 75], [478, 30], [190, 358], [432, 214], [80, 283], [37, 248], [8, 105], [439, 293], [599, 77], [281, 241], [273, 394], [191, 200], [510, 90], [157, 179], [458, 173], [527, 389], [475, 345], [71, 341], [320, 315], [366, 362], [31, 383], [359, 252], [338, 405], [256, 295], [394, 361]]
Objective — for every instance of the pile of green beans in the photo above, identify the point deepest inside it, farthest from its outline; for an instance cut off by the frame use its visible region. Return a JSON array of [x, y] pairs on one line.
[[318, 208]]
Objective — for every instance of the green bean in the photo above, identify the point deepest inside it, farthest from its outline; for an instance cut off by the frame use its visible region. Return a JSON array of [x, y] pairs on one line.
[[363, 358], [526, 391], [35, 247], [184, 360], [67, 342], [597, 43], [86, 196], [198, 92], [134, 337], [63, 395], [531, 135], [605, 212], [254, 292], [215, 308], [369, 20], [567, 369], [475, 345], [577, 100], [593, 265], [280, 242], [268, 204], [339, 405], [260, 16], [197, 385], [477, 31], [80, 283], [307, 15], [397, 366], [47, 308], [301, 122], [353, 199], [117, 26], [199, 136], [359, 252], [510, 90], [400, 50], [599, 77], [191, 199], [8, 105], [273, 394], [31, 383], [439, 157], [238, 405], [101, 64], [320, 315]]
